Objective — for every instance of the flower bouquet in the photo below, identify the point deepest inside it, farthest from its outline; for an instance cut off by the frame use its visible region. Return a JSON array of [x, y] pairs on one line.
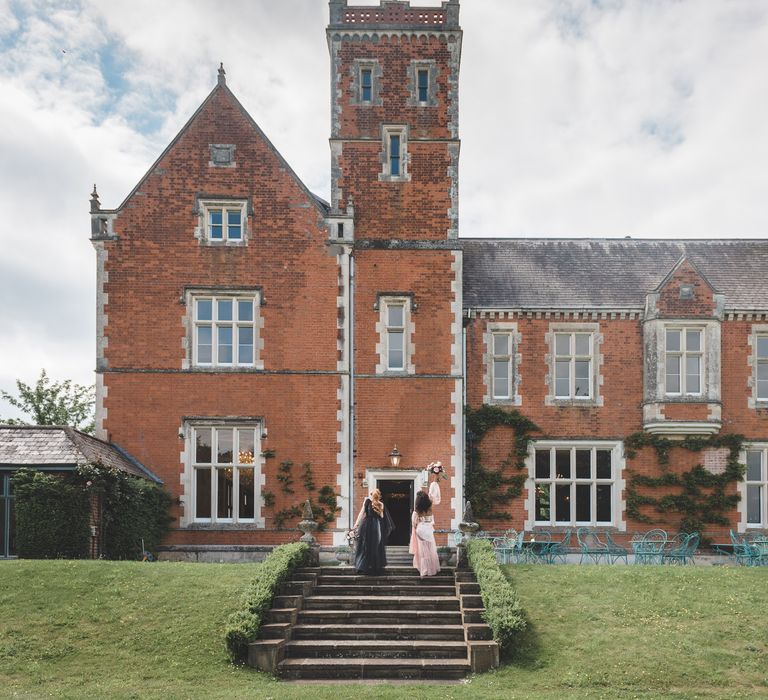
[[437, 469]]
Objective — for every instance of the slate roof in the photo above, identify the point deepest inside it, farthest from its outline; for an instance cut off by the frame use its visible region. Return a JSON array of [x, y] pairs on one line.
[[50, 446], [544, 273]]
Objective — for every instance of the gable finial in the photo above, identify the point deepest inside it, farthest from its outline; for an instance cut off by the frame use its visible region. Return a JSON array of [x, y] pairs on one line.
[[95, 204], [222, 75]]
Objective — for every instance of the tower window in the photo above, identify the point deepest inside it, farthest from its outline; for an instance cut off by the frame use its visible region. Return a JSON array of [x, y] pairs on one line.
[[366, 85], [423, 84], [394, 155]]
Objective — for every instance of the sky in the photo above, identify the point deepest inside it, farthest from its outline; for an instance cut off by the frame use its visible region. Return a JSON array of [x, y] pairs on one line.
[[578, 118]]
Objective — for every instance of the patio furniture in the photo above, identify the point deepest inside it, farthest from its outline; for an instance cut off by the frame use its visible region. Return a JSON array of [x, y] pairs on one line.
[[535, 550], [558, 550], [615, 551], [591, 546], [504, 547], [682, 549], [649, 549]]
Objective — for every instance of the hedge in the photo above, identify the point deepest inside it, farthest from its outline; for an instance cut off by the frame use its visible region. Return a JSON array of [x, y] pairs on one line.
[[243, 626], [53, 513], [503, 611]]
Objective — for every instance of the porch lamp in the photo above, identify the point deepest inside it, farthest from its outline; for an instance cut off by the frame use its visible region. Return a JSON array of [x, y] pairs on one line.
[[394, 457]]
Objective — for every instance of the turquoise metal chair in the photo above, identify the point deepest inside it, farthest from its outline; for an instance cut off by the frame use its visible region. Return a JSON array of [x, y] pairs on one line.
[[558, 550], [591, 546], [615, 551], [682, 549], [649, 549]]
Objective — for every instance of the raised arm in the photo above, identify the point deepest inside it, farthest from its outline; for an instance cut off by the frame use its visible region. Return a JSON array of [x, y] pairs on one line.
[[434, 493], [359, 516]]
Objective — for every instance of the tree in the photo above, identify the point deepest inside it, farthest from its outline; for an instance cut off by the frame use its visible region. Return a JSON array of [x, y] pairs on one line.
[[53, 403]]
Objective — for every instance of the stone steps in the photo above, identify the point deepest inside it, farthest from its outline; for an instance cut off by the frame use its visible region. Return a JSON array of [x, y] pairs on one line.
[[364, 669], [376, 649], [379, 631], [332, 623]]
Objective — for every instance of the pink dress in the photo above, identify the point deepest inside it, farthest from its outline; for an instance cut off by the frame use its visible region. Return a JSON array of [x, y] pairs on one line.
[[422, 544]]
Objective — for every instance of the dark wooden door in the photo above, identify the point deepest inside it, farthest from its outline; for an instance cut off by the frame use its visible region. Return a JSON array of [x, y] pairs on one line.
[[398, 496]]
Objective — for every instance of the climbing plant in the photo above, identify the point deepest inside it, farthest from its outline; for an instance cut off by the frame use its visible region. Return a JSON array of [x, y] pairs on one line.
[[701, 498], [324, 503], [490, 490]]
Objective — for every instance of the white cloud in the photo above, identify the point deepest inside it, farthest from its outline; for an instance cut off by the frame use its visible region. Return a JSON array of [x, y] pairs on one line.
[[578, 118]]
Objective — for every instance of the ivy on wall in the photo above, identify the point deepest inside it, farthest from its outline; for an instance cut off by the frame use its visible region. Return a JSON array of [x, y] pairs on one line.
[[490, 490], [324, 504], [701, 499]]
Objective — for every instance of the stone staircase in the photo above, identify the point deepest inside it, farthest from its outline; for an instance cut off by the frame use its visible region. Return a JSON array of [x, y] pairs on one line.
[[331, 623]]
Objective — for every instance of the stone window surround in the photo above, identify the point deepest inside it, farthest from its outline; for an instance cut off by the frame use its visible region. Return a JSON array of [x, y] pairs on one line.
[[188, 300], [755, 331], [597, 362], [356, 91], [509, 327], [415, 66], [743, 525], [204, 203], [618, 461], [387, 131], [654, 348], [409, 306], [187, 481]]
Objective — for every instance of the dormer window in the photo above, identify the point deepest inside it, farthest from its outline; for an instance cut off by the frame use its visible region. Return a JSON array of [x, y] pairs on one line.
[[683, 361]]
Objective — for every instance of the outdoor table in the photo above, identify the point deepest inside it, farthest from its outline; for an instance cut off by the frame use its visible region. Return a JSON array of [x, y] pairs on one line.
[[536, 550]]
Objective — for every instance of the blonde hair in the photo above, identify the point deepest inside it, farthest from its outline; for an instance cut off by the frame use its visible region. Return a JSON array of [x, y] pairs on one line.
[[376, 503]]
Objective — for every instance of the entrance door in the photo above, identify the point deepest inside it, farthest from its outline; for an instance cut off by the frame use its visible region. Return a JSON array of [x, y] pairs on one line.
[[398, 498], [7, 539]]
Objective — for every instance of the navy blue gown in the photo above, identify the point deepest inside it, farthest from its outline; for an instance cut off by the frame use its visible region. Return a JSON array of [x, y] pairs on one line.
[[372, 536]]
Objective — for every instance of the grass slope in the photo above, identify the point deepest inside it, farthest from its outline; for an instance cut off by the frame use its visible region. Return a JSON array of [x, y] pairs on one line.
[[132, 630]]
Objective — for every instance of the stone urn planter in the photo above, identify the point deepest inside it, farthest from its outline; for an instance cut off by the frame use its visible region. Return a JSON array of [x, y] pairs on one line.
[[344, 554]]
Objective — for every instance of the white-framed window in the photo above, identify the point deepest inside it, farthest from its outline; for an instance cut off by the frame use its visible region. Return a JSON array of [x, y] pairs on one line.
[[573, 365], [576, 483], [223, 222], [683, 360], [761, 366], [395, 335], [395, 329], [225, 330], [225, 485], [502, 364], [395, 153], [755, 488]]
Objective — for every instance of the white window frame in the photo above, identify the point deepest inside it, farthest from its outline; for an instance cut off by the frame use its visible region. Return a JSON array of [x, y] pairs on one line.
[[761, 484], [513, 359], [683, 354], [616, 482], [384, 329], [594, 358], [215, 323], [236, 466], [756, 361], [387, 133], [205, 209]]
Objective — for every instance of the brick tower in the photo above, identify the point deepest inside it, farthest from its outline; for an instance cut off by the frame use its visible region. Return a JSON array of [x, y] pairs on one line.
[[394, 210]]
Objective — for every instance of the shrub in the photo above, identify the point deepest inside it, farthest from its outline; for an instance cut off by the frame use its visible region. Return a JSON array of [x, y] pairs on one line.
[[243, 626], [503, 611], [52, 515]]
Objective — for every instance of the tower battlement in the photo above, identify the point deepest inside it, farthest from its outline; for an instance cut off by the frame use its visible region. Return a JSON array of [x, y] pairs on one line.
[[394, 14]]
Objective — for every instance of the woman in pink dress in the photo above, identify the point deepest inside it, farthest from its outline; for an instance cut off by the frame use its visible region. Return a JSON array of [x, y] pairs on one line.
[[423, 546]]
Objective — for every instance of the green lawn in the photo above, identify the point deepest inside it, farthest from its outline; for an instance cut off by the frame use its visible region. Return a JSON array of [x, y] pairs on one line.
[[132, 630]]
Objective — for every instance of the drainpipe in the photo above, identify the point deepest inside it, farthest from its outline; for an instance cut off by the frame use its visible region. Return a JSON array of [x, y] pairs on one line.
[[351, 369]]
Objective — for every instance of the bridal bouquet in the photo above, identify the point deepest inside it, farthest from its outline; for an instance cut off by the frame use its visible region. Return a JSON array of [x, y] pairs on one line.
[[437, 469]]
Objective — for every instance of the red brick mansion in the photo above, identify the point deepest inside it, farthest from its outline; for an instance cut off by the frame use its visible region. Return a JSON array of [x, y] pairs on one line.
[[258, 345]]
